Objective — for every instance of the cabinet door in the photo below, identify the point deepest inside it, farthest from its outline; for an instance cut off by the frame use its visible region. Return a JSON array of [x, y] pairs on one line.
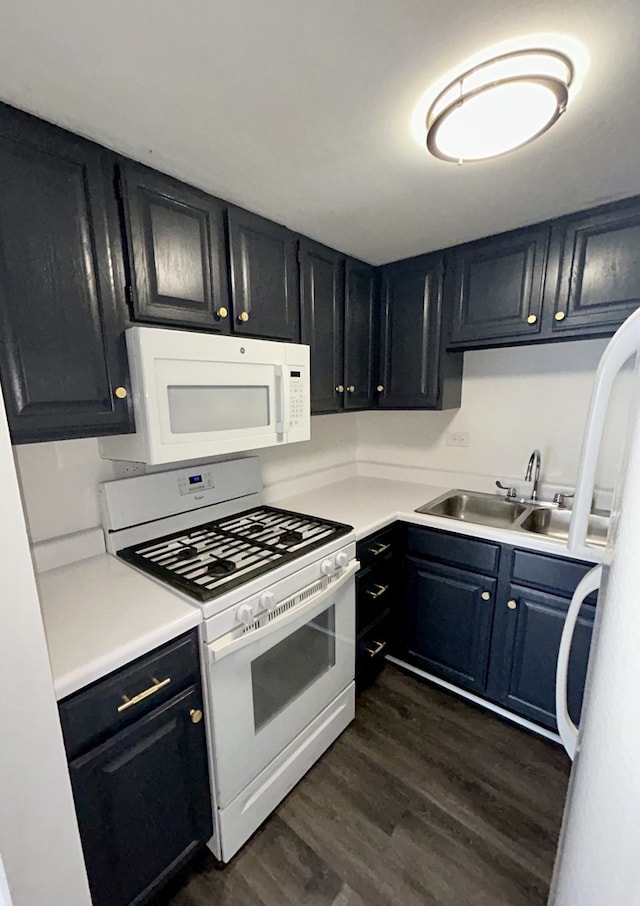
[[448, 614], [497, 287], [264, 277], [62, 354], [599, 283], [322, 301], [143, 801], [360, 334], [533, 626], [410, 345], [177, 253]]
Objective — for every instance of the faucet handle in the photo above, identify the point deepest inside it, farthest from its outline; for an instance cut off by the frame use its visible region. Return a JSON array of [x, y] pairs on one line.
[[560, 497], [511, 492]]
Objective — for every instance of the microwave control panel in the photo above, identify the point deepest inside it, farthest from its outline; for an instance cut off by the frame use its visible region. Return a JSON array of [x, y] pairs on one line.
[[296, 399], [198, 481]]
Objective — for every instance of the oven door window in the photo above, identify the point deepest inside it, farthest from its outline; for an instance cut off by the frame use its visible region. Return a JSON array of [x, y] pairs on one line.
[[283, 672]]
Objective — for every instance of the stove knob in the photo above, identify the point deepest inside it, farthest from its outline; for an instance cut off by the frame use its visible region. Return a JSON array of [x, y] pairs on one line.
[[327, 567], [266, 600], [342, 559], [245, 614]]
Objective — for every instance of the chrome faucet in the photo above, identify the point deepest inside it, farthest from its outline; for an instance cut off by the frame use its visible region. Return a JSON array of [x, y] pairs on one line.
[[535, 458]]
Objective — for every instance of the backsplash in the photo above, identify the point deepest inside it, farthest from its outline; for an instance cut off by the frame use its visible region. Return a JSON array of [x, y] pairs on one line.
[[513, 400]]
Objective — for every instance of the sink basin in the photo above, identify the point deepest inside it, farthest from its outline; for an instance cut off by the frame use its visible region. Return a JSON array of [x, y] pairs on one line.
[[555, 524], [471, 506]]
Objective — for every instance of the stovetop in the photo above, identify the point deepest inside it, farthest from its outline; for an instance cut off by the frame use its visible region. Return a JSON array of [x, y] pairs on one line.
[[213, 558]]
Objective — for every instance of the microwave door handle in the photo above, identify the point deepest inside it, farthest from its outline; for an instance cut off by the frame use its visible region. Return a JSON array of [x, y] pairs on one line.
[[312, 606], [566, 727], [624, 343], [280, 402]]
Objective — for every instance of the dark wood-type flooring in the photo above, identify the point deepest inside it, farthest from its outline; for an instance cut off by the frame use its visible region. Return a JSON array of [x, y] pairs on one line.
[[425, 800]]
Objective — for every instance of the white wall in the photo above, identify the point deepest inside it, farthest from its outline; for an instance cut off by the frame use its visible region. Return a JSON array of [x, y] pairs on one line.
[[39, 842], [513, 400]]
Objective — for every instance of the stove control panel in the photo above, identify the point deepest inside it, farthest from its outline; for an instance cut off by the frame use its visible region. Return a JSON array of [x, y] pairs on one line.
[[198, 481]]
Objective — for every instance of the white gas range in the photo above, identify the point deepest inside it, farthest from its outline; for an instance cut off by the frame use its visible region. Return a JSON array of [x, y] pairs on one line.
[[277, 593]]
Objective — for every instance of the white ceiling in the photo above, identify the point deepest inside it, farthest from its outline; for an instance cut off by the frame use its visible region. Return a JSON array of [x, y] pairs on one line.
[[300, 109]]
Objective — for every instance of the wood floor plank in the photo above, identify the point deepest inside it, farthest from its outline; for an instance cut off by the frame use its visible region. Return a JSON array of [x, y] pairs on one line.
[[425, 800]]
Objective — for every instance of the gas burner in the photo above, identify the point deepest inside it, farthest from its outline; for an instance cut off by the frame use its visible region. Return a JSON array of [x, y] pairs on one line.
[[290, 538], [253, 528], [185, 553], [220, 567]]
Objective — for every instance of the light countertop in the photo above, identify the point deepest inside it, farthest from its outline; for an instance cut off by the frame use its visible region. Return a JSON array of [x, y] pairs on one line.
[[369, 504], [100, 614]]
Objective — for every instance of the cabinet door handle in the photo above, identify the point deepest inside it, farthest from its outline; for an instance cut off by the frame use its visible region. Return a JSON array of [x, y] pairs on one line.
[[222, 312], [243, 317], [532, 319], [121, 393], [157, 685], [351, 388], [379, 646], [379, 549], [379, 591], [512, 604], [340, 388], [486, 595], [380, 388], [196, 715], [560, 315]]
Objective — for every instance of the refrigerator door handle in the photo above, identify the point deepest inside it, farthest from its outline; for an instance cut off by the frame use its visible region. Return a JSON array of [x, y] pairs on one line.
[[566, 727]]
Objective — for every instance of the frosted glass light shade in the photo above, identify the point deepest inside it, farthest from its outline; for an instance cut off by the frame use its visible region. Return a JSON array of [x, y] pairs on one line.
[[499, 106]]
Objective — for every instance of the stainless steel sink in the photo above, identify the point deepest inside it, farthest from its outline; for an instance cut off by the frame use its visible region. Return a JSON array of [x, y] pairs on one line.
[[555, 524], [471, 506]]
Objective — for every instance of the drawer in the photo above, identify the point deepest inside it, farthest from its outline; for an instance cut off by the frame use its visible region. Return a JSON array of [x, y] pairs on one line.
[[110, 704], [469, 553], [552, 574], [374, 592], [376, 547], [371, 649]]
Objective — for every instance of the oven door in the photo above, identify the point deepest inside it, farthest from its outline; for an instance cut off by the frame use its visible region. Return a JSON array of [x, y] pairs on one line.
[[268, 685]]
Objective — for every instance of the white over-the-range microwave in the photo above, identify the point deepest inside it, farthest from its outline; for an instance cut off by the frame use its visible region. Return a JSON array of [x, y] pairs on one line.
[[198, 395]]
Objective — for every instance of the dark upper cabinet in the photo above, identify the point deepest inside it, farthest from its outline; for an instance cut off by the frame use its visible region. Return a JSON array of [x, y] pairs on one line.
[[322, 304], [176, 251], [264, 277], [62, 355], [360, 335], [143, 802], [598, 283], [448, 614], [534, 622], [415, 372], [497, 287]]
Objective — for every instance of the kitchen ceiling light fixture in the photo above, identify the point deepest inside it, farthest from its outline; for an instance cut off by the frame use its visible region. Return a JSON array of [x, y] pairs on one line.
[[499, 105]]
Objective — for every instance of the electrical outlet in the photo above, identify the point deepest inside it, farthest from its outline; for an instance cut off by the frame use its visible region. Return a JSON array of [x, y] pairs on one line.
[[125, 469], [457, 438]]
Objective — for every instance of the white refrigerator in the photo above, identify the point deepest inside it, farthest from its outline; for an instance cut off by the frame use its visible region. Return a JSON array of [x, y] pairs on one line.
[[598, 859]]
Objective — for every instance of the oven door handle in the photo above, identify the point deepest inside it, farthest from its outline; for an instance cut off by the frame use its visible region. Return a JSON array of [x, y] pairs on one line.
[[224, 647]]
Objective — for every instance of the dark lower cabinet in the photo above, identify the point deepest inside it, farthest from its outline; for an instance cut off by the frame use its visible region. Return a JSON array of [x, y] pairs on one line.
[[264, 277], [62, 356], [448, 614], [139, 772], [534, 622], [497, 634], [142, 802], [377, 593], [177, 254]]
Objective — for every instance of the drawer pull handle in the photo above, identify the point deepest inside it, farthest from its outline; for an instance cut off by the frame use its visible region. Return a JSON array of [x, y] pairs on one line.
[[379, 591], [379, 646], [157, 685], [379, 549]]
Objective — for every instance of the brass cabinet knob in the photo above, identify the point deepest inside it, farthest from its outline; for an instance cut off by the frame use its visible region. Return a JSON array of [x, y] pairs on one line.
[[512, 604], [532, 319], [222, 312], [380, 388], [486, 595], [340, 388], [121, 393], [350, 388], [243, 317], [196, 715], [560, 315]]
